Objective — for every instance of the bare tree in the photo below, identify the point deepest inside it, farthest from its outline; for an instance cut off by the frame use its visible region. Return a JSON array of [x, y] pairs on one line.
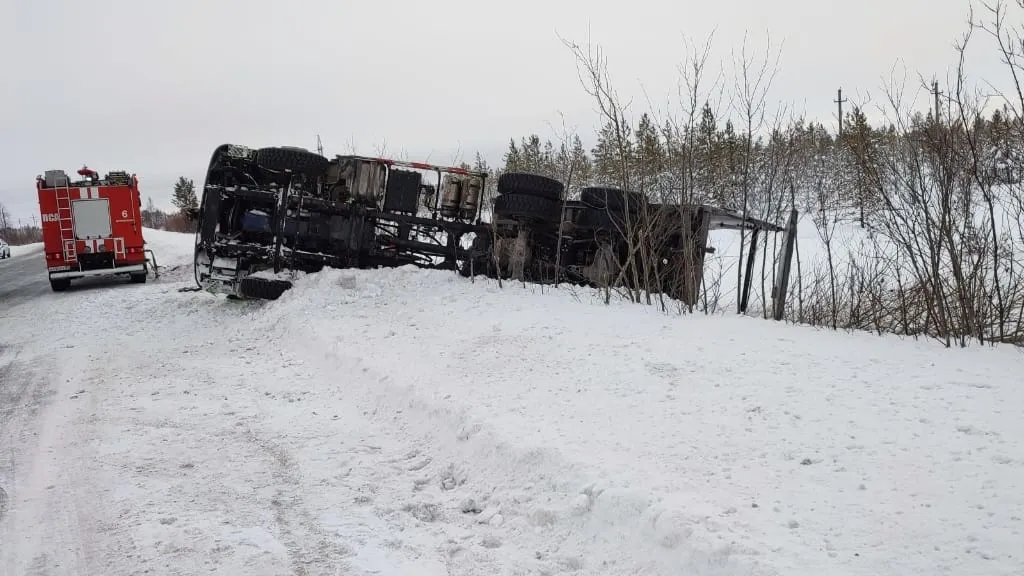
[[4, 219], [752, 82]]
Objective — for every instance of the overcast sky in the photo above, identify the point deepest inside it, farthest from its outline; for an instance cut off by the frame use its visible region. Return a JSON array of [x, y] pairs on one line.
[[153, 87]]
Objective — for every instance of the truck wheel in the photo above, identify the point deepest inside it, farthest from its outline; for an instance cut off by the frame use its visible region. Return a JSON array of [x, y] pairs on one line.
[[607, 219], [611, 198], [139, 278], [530, 185], [263, 288], [282, 159], [60, 284], [525, 206]]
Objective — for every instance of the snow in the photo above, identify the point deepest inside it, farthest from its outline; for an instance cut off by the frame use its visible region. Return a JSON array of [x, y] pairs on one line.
[[407, 421], [850, 243], [25, 249], [287, 275]]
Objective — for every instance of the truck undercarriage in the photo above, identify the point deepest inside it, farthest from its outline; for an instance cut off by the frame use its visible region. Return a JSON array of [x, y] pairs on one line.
[[272, 210], [277, 209]]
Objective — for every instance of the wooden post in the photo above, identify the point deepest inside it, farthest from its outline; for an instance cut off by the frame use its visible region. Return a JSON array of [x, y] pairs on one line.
[[748, 277], [695, 252], [781, 289]]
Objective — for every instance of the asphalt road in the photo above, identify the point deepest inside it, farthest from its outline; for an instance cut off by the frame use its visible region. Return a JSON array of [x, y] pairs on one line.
[[22, 278]]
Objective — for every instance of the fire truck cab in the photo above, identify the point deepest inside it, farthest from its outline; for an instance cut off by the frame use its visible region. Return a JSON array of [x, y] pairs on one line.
[[91, 226]]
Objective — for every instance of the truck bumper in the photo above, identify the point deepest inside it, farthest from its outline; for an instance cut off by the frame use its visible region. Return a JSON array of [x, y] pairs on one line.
[[221, 285], [222, 276], [219, 275], [56, 274]]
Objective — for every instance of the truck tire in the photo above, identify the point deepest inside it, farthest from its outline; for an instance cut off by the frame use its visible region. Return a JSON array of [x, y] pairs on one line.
[[282, 159], [138, 278], [615, 199], [612, 221], [530, 185], [60, 284], [526, 206], [263, 288]]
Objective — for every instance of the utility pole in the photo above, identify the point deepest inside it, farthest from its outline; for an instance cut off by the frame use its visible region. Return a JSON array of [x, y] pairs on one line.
[[936, 93], [840, 101]]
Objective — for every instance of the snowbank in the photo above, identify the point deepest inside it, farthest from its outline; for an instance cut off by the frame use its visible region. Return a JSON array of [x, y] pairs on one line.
[[172, 243], [408, 421], [26, 249], [710, 443]]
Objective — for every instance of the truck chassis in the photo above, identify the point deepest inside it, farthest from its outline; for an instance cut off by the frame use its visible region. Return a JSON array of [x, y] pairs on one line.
[[272, 210], [278, 209]]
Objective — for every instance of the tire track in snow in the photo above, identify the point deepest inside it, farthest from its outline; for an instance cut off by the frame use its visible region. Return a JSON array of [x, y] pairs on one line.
[[25, 392], [454, 490], [5, 418], [3, 503], [297, 525], [409, 461], [52, 509]]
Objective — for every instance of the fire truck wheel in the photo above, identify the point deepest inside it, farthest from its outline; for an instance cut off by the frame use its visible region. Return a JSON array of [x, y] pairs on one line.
[[612, 198], [138, 278], [60, 284], [525, 206], [530, 185], [282, 159]]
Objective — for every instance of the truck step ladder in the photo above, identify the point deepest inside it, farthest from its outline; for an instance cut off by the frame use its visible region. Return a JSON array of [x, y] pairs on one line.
[[66, 222]]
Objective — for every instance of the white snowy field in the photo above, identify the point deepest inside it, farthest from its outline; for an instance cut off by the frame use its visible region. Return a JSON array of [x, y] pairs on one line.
[[413, 422], [849, 243], [25, 249]]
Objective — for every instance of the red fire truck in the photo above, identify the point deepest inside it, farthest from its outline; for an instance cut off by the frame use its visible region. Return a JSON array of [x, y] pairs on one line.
[[91, 226]]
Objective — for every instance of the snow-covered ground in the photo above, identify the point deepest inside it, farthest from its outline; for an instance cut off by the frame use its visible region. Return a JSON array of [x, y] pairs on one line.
[[25, 249], [849, 242], [404, 422]]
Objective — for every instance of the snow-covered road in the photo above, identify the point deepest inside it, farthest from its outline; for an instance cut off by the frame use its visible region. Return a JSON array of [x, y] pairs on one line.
[[22, 276], [413, 422]]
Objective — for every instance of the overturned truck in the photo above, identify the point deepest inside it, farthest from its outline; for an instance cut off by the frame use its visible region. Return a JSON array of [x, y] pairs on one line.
[[606, 237], [270, 211]]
